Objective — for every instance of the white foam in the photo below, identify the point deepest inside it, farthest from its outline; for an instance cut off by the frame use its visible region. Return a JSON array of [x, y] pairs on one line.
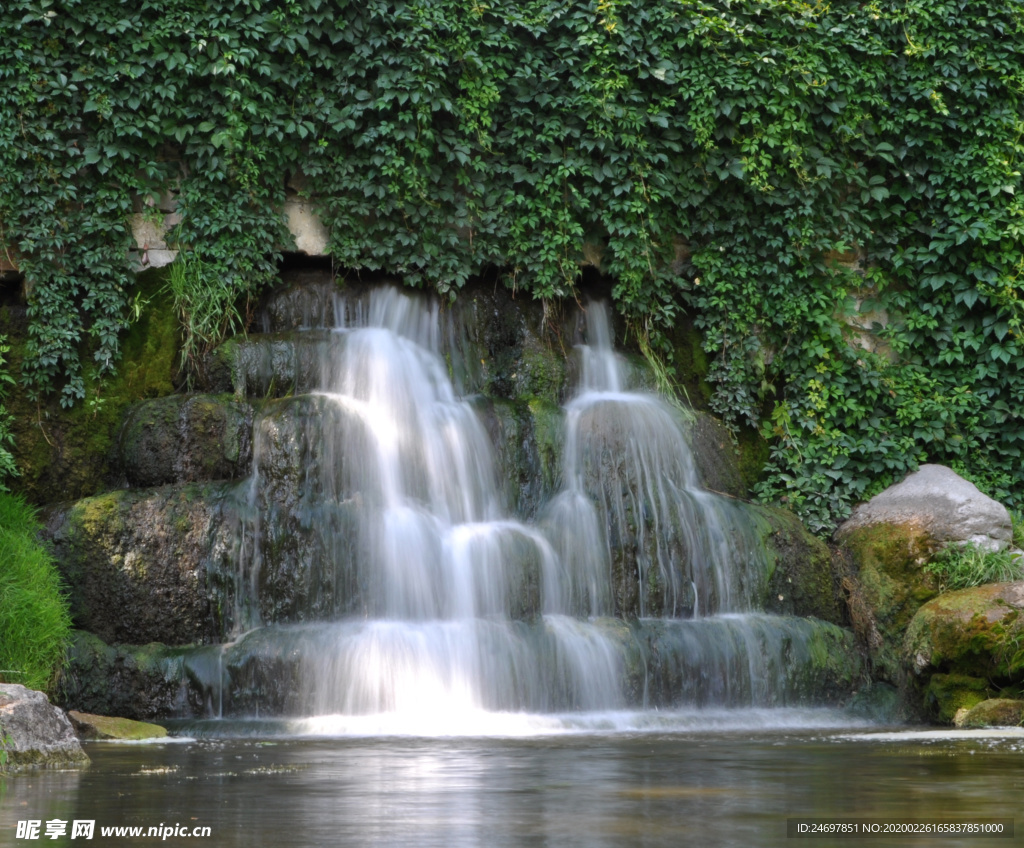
[[937, 735], [480, 723]]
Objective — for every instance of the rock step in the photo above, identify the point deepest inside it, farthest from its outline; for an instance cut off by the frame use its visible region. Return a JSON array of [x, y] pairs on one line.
[[89, 726]]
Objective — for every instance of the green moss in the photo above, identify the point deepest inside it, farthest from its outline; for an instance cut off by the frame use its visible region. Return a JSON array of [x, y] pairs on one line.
[[946, 694], [99, 514], [221, 370], [889, 585], [540, 372], [140, 682], [91, 726], [799, 579], [972, 631], [691, 364], [829, 647], [995, 712], [66, 454], [548, 433], [35, 759], [754, 451]]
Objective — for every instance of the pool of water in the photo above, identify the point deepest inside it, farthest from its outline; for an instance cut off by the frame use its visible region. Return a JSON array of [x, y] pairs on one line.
[[733, 780]]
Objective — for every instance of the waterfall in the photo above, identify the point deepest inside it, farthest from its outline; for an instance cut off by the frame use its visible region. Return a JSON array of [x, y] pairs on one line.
[[416, 601], [633, 521]]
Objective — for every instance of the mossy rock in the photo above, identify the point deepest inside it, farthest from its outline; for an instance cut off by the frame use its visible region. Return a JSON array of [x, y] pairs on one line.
[[66, 454], [995, 712], [304, 300], [507, 347], [691, 364], [35, 733], [527, 438], [716, 456], [886, 587], [135, 561], [979, 632], [89, 726], [540, 373], [800, 579], [270, 365], [946, 695], [754, 452], [306, 507], [759, 660], [186, 439], [139, 682], [295, 453]]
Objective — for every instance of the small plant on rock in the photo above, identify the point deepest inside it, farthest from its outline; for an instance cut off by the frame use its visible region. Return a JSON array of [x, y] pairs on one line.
[[966, 566], [207, 309]]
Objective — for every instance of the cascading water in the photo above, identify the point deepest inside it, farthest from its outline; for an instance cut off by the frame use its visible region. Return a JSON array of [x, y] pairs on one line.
[[425, 607], [633, 521]]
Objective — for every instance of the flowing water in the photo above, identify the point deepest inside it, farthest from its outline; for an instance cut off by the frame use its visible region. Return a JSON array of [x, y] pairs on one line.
[[428, 606]]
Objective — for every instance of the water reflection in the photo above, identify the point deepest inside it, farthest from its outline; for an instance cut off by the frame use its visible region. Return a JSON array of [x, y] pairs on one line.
[[650, 789]]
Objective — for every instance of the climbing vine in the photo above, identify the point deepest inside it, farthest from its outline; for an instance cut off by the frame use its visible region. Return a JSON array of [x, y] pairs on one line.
[[778, 171]]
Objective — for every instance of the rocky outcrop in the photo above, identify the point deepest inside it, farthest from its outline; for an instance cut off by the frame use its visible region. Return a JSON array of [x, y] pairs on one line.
[[137, 562], [943, 697], [33, 732], [527, 437], [976, 631], [506, 347], [885, 584], [799, 579], [186, 439], [995, 712], [138, 682], [269, 365], [939, 505], [966, 647], [89, 726], [738, 661], [716, 456], [731, 661]]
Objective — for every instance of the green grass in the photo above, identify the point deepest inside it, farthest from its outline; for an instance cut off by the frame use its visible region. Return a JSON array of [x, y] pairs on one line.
[[208, 310], [34, 620], [962, 567]]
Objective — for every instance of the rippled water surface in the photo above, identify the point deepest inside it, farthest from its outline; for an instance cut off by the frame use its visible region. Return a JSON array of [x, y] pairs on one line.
[[714, 784]]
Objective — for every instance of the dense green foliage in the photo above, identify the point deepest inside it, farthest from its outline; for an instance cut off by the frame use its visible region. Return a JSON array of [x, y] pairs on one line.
[[723, 155], [34, 620]]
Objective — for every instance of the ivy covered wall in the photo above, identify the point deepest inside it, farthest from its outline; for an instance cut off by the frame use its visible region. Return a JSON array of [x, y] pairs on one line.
[[765, 168]]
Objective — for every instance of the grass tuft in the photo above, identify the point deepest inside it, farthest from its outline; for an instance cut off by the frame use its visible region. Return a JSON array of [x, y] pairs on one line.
[[208, 309], [966, 566]]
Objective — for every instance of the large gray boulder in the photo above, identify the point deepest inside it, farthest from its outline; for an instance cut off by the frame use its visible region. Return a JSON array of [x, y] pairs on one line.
[[34, 732], [938, 503]]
